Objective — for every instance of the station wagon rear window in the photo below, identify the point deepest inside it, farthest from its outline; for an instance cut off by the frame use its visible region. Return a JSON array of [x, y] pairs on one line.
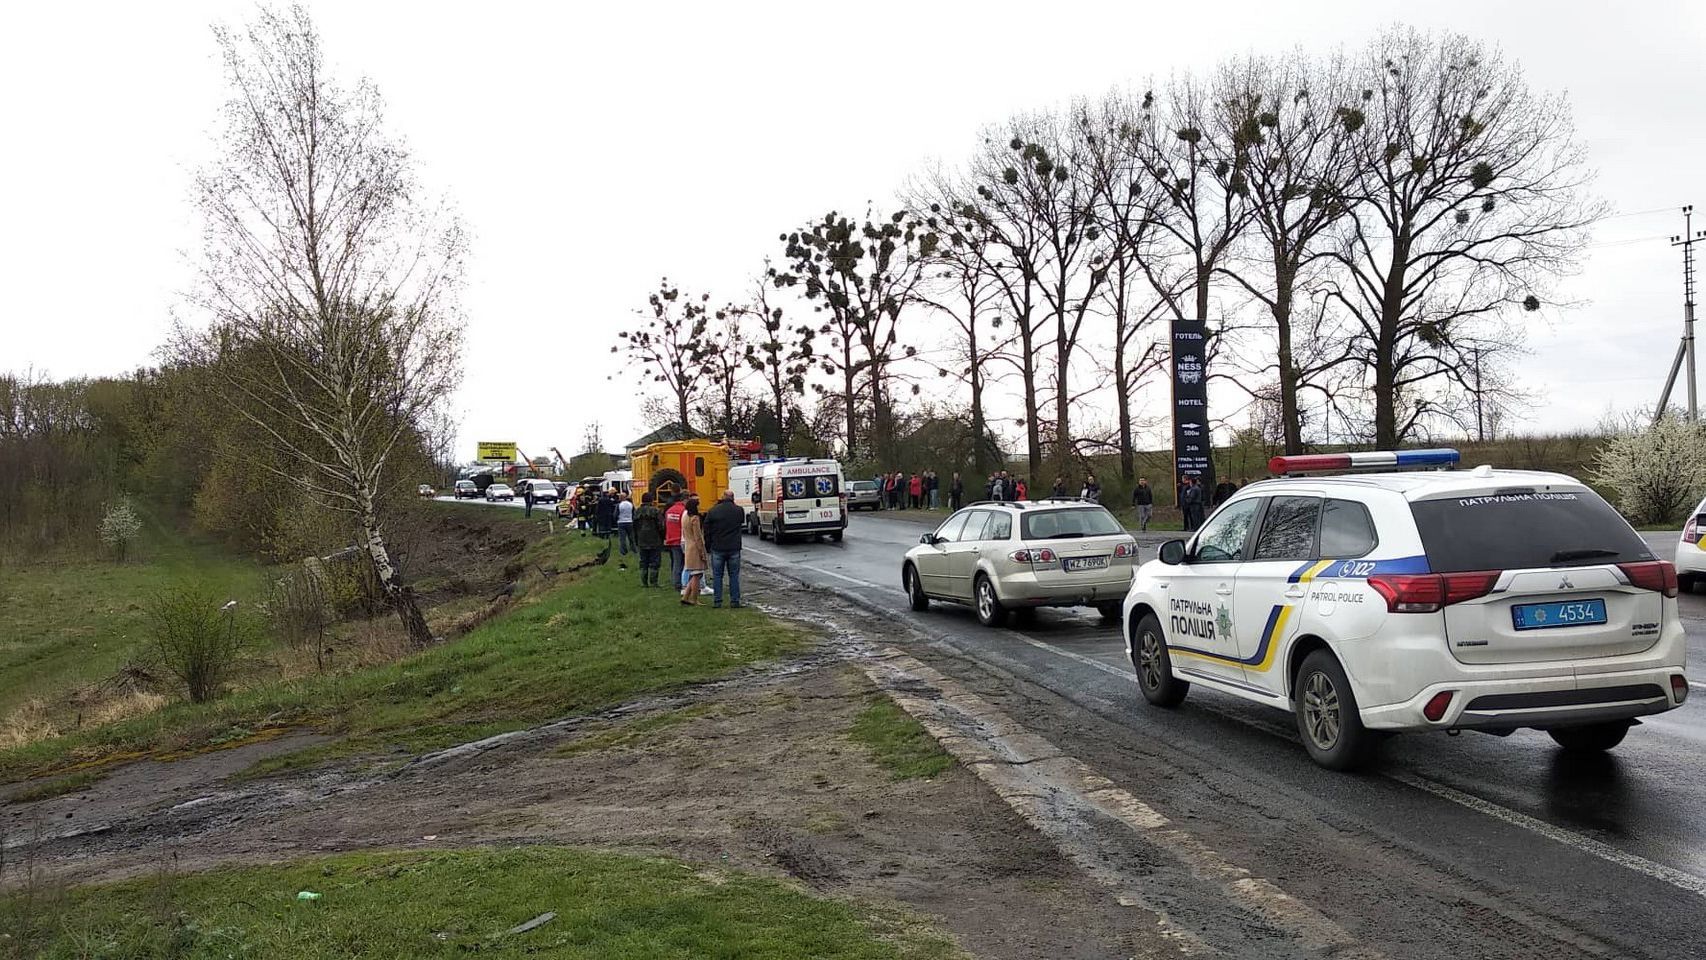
[[1524, 529], [1066, 524]]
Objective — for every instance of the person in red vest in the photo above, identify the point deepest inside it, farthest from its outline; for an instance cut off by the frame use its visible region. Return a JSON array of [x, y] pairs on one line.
[[672, 540], [915, 489]]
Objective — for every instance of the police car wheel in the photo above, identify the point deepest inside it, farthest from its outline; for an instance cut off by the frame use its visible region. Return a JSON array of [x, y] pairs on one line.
[[990, 612], [1327, 715], [835, 537], [1593, 738], [1685, 582], [915, 596], [1154, 666]]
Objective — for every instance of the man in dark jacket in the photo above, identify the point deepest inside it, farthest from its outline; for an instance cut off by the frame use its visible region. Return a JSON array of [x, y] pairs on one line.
[[723, 525], [1191, 503], [1143, 498], [648, 537]]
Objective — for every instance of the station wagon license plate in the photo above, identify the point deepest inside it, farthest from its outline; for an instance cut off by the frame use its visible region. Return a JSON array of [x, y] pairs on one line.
[[1567, 613], [1084, 563]]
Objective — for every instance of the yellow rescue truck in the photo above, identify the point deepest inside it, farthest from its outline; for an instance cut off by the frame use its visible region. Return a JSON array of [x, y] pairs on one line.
[[700, 467]]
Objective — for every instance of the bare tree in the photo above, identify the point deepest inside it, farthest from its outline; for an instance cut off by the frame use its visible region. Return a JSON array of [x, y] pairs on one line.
[[333, 289], [669, 345], [722, 357], [862, 274], [1290, 126], [1471, 199], [1012, 244], [781, 354], [1127, 207]]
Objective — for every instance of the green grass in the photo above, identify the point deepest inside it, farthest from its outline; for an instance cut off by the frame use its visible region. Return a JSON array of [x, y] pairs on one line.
[[897, 742], [48, 789], [71, 623], [454, 904], [593, 640]]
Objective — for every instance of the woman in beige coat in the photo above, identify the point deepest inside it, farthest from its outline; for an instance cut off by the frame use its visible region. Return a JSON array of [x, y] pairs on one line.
[[692, 552]]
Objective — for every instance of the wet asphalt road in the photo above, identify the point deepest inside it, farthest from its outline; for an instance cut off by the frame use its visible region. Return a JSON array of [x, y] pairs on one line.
[[1466, 846]]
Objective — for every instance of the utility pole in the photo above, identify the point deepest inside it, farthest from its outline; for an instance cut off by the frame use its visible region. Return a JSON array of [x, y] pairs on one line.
[[1685, 349]]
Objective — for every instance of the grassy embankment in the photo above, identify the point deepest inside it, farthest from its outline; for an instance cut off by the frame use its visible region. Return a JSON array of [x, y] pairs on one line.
[[897, 742], [68, 622], [569, 645], [452, 904]]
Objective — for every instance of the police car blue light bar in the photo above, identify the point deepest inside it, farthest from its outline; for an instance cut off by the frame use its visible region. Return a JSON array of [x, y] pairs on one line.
[[1366, 460]]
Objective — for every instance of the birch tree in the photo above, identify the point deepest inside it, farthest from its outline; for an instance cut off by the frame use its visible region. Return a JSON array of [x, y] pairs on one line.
[[332, 285]]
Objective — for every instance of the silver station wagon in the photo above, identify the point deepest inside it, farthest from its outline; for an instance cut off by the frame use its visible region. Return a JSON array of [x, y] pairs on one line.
[[1001, 557]]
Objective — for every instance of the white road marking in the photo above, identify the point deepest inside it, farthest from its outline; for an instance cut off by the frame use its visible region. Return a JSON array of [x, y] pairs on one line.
[[1697, 685], [1585, 844], [806, 566], [1604, 851]]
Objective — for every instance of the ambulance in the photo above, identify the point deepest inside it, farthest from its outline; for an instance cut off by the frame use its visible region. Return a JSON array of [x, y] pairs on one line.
[[801, 498]]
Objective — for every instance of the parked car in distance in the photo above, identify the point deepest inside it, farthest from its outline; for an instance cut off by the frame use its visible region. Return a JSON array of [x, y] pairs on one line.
[[544, 491], [499, 491], [467, 490], [864, 495], [425, 490]]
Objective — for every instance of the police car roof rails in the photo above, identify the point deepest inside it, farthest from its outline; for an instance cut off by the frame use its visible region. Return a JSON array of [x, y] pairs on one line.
[[1066, 500], [997, 503], [1365, 461]]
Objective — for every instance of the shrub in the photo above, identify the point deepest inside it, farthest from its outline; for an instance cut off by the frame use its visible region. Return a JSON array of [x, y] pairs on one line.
[[300, 609], [119, 527], [197, 639], [1657, 473]]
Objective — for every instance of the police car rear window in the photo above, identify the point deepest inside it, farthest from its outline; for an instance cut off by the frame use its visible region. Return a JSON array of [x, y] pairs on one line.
[[1521, 530]]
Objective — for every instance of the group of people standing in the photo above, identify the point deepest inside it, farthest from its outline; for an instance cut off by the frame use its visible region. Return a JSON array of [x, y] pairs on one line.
[[919, 491], [1195, 502], [697, 543]]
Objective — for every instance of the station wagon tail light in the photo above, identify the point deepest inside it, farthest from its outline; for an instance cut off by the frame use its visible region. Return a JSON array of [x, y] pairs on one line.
[[1432, 592], [1657, 575], [1039, 555], [1127, 549]]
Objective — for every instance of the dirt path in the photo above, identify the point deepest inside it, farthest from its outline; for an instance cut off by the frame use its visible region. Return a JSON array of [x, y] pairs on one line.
[[756, 774]]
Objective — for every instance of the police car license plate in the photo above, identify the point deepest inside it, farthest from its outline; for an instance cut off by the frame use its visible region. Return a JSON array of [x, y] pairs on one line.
[[1568, 613], [1084, 563]]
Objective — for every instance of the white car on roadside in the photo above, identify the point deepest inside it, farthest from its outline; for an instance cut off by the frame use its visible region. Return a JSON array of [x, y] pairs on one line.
[[499, 491], [1370, 603], [1691, 550]]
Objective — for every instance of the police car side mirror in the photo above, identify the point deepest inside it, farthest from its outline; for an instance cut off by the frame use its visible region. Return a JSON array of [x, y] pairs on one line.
[[929, 538], [1173, 552]]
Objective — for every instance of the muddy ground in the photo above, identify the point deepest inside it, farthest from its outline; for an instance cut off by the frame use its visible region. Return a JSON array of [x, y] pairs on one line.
[[755, 773]]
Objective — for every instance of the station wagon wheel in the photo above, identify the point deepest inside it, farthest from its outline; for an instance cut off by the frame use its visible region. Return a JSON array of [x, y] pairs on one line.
[[915, 595], [1327, 715], [1154, 665], [990, 612]]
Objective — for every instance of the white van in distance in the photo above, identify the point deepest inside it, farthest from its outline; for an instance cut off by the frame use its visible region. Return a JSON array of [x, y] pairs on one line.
[[800, 498]]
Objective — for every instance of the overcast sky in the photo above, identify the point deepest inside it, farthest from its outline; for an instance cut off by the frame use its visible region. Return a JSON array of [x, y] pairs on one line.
[[591, 147]]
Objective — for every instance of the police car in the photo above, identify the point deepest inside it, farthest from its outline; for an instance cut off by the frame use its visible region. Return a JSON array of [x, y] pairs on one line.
[[1426, 599]]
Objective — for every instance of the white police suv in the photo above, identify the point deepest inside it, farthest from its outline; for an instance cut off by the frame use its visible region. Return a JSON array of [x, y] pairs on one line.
[[1369, 603]]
